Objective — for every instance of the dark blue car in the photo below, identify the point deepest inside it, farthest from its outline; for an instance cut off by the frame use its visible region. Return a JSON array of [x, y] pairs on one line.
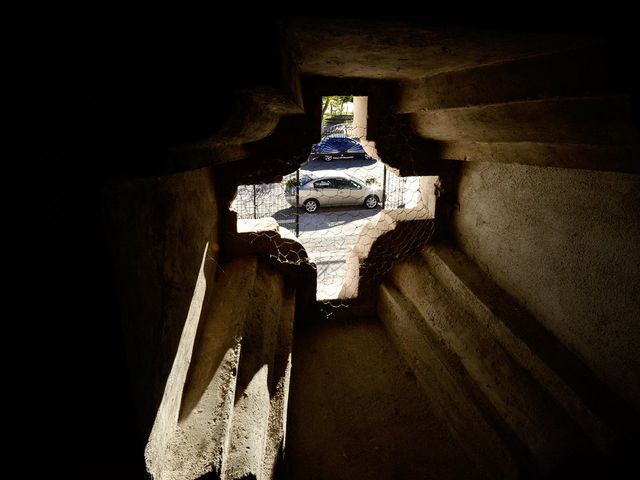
[[338, 148]]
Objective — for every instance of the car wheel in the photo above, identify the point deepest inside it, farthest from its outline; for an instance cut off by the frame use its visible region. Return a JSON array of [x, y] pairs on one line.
[[327, 158], [371, 201], [311, 205]]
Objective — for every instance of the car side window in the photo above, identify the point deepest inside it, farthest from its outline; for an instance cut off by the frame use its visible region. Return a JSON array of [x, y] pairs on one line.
[[354, 185], [342, 183], [322, 184]]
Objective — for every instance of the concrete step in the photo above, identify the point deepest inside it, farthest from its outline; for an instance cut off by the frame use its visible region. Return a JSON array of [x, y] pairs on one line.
[[259, 414], [579, 71], [527, 417], [599, 120], [232, 407], [279, 380], [525, 340], [438, 373]]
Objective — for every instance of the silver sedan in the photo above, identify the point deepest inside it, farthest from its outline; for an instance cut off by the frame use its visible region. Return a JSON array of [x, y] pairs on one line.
[[333, 191]]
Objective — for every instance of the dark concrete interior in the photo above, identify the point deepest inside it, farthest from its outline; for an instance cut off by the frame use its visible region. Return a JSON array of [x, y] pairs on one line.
[[172, 346]]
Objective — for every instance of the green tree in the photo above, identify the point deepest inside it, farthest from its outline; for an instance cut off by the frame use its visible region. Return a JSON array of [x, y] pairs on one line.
[[335, 103]]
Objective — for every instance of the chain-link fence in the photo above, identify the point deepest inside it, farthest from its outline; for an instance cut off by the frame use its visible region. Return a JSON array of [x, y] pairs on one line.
[[353, 215], [337, 210]]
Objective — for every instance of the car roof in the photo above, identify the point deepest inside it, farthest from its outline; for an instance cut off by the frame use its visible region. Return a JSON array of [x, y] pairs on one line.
[[338, 137], [327, 177]]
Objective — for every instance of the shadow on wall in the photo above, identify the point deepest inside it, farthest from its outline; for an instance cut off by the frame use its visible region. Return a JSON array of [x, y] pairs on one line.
[[168, 412], [157, 270], [224, 404]]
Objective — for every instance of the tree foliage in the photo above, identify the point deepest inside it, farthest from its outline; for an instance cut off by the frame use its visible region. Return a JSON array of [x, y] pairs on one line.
[[335, 103]]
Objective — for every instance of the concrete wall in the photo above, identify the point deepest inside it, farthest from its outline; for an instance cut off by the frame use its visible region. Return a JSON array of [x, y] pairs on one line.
[[225, 401], [360, 117], [164, 232], [565, 244]]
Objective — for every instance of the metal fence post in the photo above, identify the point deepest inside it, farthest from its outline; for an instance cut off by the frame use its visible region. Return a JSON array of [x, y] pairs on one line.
[[297, 203], [254, 203], [384, 187]]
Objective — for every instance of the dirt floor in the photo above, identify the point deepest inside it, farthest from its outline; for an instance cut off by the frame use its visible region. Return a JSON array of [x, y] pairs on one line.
[[356, 411]]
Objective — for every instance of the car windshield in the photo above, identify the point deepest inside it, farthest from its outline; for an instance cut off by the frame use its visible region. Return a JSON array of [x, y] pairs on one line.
[[305, 179]]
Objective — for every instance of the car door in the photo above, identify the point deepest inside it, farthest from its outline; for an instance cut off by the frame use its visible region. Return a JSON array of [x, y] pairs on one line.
[[348, 191], [354, 193], [325, 191]]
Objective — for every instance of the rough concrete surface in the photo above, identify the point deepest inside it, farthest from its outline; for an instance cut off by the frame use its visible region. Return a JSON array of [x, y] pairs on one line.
[[249, 434], [564, 243], [162, 230], [526, 341], [356, 411], [192, 442], [602, 120], [429, 362], [575, 71], [232, 401], [516, 399], [399, 51], [124, 110], [614, 158]]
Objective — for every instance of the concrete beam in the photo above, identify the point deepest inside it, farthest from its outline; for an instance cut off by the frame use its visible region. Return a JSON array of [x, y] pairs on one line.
[[584, 120], [399, 51], [610, 158], [575, 72]]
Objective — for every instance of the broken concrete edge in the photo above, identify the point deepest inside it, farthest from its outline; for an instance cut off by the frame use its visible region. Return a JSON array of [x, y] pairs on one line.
[[377, 250], [284, 254], [382, 223]]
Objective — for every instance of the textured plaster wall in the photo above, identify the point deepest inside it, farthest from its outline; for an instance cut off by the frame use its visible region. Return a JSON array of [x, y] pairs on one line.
[[566, 244]]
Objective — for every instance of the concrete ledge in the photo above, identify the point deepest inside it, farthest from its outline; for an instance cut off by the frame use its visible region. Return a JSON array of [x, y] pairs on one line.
[[509, 396], [423, 353], [611, 158], [527, 342], [601, 120], [581, 70], [232, 403]]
